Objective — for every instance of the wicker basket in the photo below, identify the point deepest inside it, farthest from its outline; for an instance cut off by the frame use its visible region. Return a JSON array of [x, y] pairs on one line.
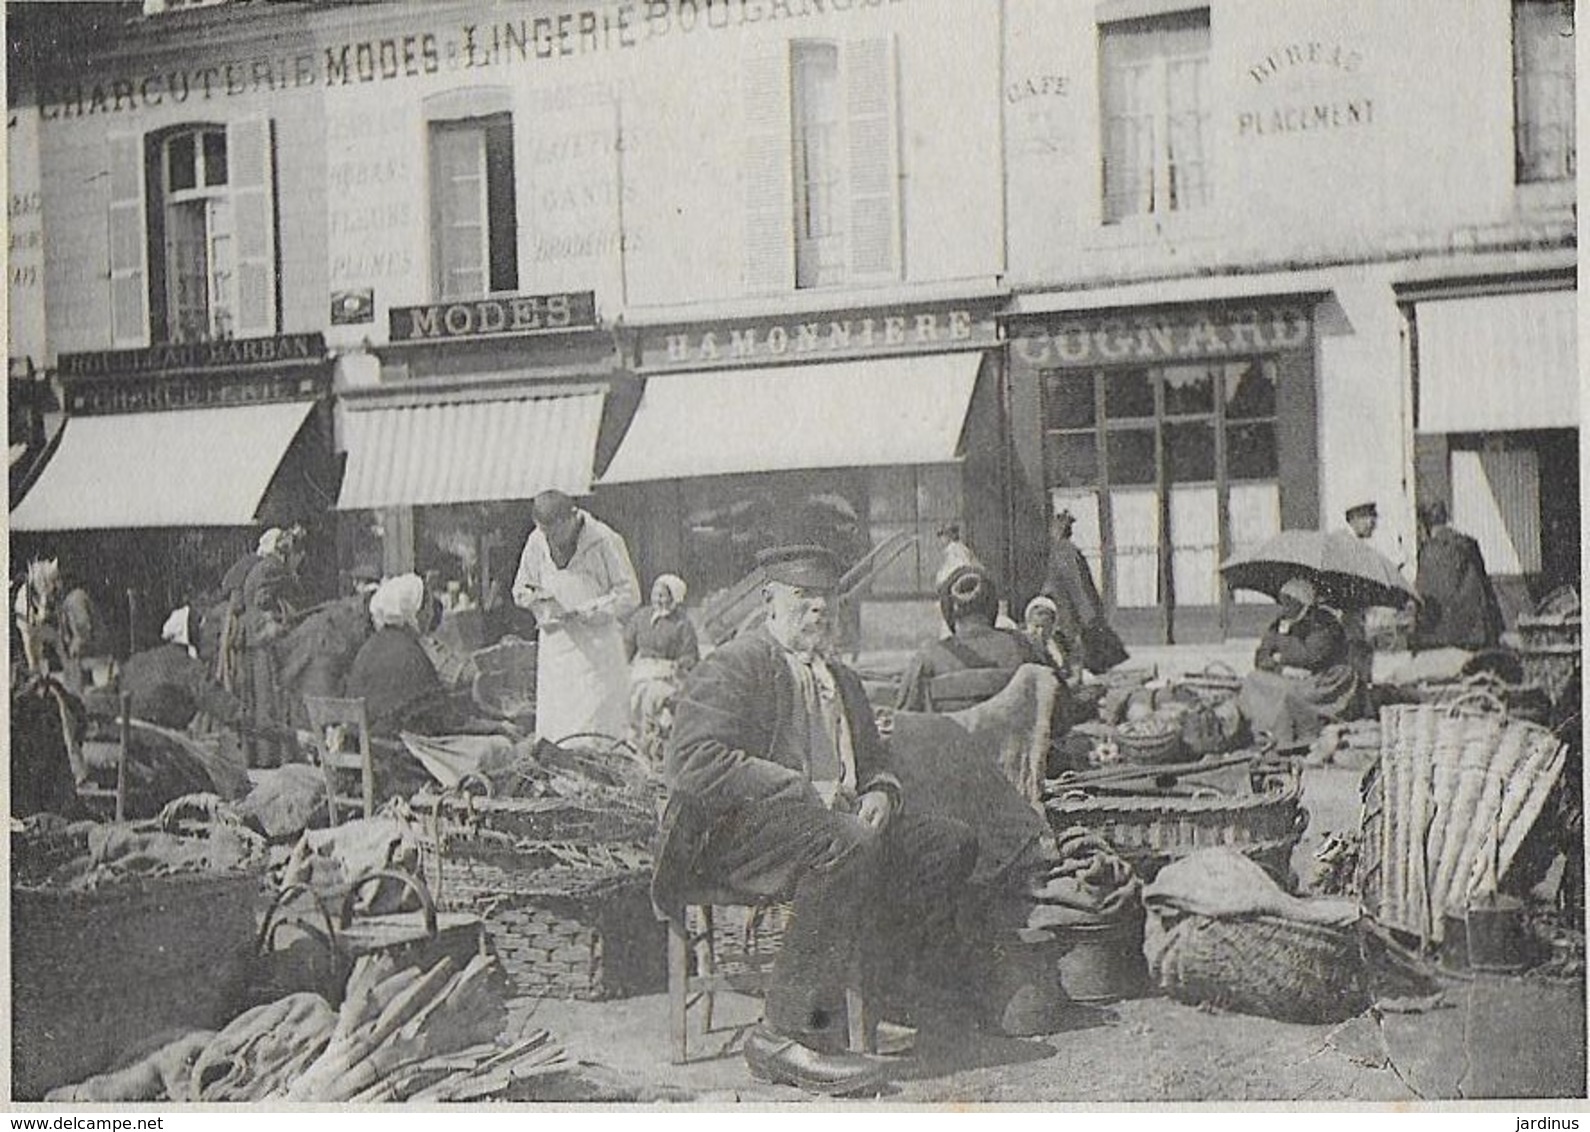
[[1151, 830], [745, 939], [1551, 647], [1153, 740], [458, 817], [94, 974], [1265, 965]]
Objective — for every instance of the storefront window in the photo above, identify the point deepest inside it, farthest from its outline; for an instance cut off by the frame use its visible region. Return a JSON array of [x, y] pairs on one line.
[[1128, 393], [1131, 455]]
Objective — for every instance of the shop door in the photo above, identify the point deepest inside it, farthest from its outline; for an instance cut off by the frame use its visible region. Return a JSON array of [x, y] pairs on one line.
[[1184, 469]]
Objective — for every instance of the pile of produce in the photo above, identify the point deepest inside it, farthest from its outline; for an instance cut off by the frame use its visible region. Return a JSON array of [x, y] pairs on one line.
[[1086, 882], [194, 834], [401, 1034]]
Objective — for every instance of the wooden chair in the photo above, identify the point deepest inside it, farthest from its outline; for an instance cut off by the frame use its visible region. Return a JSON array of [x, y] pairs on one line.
[[117, 795], [693, 943], [330, 721]]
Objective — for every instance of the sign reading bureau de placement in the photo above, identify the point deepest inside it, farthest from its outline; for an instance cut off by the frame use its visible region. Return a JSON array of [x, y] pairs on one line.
[[485, 318]]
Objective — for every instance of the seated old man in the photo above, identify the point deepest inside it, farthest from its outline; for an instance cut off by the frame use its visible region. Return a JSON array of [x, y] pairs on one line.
[[976, 660], [1302, 678], [779, 784]]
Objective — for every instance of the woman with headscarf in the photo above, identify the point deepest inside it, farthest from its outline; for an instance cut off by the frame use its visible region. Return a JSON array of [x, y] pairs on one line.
[[1301, 678], [1040, 622], [661, 646], [169, 684], [391, 672]]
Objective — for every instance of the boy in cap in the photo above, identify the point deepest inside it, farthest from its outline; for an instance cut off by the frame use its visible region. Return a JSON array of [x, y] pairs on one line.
[[779, 784]]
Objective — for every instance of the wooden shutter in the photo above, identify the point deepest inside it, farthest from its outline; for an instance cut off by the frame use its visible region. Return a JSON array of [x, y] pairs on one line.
[[872, 151], [769, 184], [251, 175], [129, 247]]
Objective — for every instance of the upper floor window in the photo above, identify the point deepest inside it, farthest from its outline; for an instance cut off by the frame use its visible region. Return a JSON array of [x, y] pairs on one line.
[[193, 233], [817, 134], [821, 164], [1155, 76], [1543, 90], [474, 228]]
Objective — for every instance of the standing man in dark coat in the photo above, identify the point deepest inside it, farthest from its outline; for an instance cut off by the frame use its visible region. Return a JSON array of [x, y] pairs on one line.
[[779, 783], [1080, 623], [1458, 606]]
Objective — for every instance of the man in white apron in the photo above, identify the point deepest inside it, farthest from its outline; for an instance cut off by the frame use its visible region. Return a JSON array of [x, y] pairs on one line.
[[576, 577]]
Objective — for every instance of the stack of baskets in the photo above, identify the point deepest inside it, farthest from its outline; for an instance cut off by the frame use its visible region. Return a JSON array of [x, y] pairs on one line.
[[1551, 645], [1457, 789], [563, 888]]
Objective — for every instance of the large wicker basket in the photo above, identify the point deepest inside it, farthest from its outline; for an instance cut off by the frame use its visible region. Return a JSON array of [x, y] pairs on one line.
[[94, 974], [1150, 830], [1265, 965]]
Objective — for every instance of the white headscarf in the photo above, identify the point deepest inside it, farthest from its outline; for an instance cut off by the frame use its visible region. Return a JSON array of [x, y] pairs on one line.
[[1040, 602], [175, 629], [272, 541], [397, 601], [1301, 590], [675, 584]]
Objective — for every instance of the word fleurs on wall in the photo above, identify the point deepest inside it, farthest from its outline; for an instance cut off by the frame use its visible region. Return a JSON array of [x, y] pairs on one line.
[[586, 31]]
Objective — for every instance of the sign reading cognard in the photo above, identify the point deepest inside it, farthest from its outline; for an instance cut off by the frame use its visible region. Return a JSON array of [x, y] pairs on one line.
[[495, 317]]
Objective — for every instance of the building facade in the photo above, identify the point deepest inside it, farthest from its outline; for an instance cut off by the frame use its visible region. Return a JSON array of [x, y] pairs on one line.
[[738, 271], [1272, 260]]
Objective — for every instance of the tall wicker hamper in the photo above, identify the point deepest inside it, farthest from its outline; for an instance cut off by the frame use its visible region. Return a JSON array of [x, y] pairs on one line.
[[95, 973]]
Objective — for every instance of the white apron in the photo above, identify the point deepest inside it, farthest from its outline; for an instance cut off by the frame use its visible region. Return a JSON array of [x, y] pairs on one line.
[[582, 678]]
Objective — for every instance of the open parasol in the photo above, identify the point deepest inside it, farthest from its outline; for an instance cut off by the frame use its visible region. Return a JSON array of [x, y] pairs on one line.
[[1346, 572]]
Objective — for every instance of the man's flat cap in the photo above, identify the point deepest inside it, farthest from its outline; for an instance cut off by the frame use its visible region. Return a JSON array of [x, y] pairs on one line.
[[804, 565], [1358, 509]]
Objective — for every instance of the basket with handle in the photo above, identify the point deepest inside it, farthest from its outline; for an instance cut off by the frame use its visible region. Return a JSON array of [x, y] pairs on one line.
[[1216, 682]]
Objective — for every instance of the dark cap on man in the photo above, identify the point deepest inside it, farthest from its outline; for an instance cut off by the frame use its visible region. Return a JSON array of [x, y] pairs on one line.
[[807, 565], [1362, 511]]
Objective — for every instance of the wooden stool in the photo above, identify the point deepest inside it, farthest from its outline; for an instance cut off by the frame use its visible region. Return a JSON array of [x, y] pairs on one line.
[[687, 991]]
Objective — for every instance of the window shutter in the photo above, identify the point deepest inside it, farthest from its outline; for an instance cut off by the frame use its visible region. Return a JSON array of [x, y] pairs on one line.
[[873, 152], [252, 178], [129, 251], [769, 187]]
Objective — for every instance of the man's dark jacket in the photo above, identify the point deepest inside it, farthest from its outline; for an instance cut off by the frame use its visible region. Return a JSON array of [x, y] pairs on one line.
[[1458, 606], [735, 743]]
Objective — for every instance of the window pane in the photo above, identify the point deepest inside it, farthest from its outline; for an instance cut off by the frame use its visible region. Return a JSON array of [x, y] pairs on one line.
[[1250, 389], [1128, 393], [1073, 459], [214, 157], [223, 269], [187, 272], [1251, 451], [1188, 390], [180, 173], [815, 138], [892, 496], [1131, 455], [1543, 64], [1068, 399], [938, 493], [502, 220], [459, 210], [1190, 452]]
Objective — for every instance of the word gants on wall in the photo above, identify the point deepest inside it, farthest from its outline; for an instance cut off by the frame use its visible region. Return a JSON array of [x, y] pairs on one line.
[[529, 39]]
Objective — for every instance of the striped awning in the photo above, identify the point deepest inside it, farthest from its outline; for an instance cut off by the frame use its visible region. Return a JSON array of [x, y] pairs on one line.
[[468, 451], [878, 413], [1498, 362], [182, 468]]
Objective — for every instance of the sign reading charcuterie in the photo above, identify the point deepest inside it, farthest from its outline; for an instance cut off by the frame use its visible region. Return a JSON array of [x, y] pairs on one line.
[[494, 317]]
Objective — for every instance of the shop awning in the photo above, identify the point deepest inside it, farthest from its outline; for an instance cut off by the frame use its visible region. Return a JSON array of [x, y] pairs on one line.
[[468, 451], [1498, 362], [888, 411], [183, 468]]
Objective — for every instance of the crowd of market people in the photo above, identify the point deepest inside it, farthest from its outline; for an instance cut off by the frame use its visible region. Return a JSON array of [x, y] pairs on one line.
[[779, 781]]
